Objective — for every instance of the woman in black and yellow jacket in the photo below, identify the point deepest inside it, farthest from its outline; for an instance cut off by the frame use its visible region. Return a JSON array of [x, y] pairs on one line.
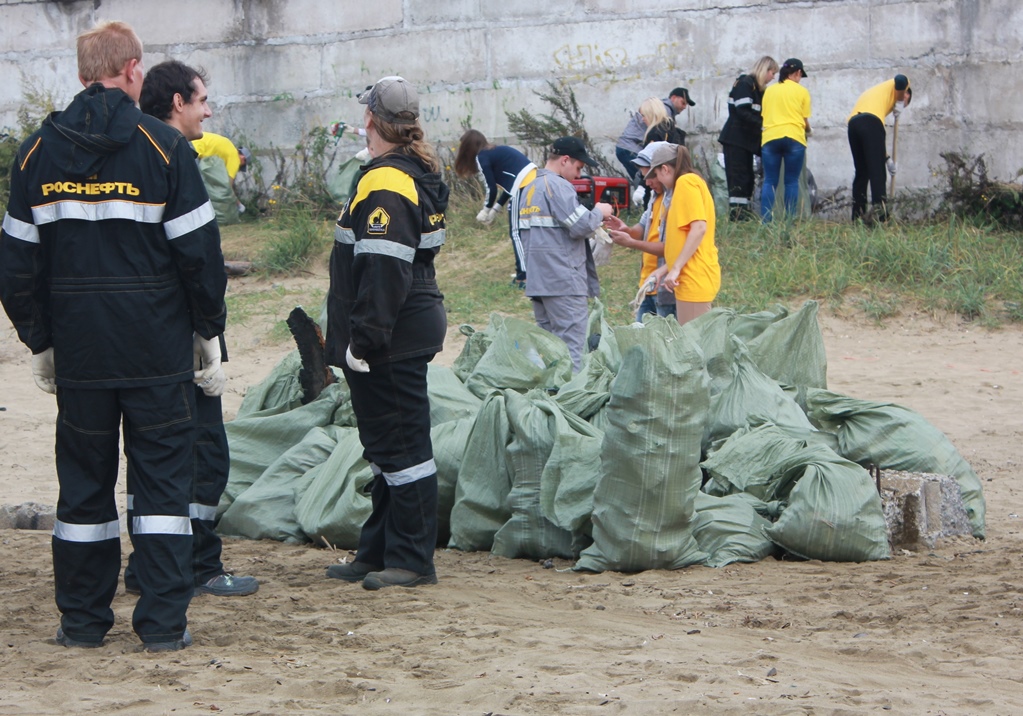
[[386, 321]]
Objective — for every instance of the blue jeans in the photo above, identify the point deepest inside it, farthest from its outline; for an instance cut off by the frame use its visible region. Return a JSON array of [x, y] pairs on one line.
[[652, 307], [626, 156], [772, 154]]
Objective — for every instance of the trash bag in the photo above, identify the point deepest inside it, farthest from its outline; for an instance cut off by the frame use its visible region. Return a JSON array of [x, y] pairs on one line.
[[484, 479], [341, 183], [644, 502], [791, 349], [831, 508], [258, 439], [267, 509], [896, 438], [218, 186], [476, 344], [334, 505], [279, 391], [528, 533], [833, 513], [751, 399], [729, 529], [520, 357], [449, 398]]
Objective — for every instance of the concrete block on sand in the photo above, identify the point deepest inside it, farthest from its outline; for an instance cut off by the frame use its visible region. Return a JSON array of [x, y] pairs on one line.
[[27, 516], [921, 508]]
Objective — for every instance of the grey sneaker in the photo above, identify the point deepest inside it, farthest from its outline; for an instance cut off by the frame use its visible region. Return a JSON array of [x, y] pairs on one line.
[[351, 571], [64, 640], [228, 585], [176, 645], [394, 577]]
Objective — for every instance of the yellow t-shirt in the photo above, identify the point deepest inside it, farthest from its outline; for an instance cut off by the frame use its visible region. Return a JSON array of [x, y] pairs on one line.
[[785, 108], [700, 279], [879, 101], [215, 145], [652, 234]]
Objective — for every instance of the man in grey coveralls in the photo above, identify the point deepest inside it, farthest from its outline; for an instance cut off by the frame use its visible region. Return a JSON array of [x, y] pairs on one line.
[[554, 230]]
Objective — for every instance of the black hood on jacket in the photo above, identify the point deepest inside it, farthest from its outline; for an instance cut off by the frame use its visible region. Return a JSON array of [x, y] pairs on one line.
[[431, 184], [97, 123]]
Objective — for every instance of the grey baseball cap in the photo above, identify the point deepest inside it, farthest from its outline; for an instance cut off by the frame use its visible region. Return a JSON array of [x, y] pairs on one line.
[[393, 99], [664, 154], [645, 158]]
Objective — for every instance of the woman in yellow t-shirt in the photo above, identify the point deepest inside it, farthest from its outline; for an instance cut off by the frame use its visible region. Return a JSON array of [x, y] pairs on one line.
[[691, 266], [786, 111]]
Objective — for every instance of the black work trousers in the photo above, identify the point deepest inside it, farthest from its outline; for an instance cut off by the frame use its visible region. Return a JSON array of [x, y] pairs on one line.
[[867, 142], [392, 410], [212, 464], [740, 179], [158, 424]]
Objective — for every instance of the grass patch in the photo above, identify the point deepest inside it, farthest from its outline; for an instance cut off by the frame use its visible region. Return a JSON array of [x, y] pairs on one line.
[[965, 267]]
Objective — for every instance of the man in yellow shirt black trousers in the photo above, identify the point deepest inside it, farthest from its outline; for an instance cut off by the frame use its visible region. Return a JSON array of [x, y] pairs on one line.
[[867, 141]]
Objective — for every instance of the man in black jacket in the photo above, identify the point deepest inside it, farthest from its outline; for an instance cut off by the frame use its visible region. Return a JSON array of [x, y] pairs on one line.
[[110, 261], [176, 93]]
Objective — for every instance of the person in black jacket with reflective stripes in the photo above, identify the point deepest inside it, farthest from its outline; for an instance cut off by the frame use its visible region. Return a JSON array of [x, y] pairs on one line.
[[176, 94], [385, 322], [741, 135], [110, 261]]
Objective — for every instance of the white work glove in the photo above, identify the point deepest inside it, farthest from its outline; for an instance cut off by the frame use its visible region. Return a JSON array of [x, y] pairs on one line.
[[241, 208], [357, 364], [638, 194], [897, 110], [205, 358], [43, 372], [363, 154], [486, 215], [213, 386], [891, 166]]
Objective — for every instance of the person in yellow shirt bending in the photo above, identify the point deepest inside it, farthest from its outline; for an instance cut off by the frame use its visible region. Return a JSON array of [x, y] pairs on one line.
[[867, 142], [786, 111], [236, 159], [691, 266]]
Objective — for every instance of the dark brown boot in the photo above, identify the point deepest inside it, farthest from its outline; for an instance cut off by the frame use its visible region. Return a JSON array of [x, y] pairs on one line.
[[351, 571], [395, 577]]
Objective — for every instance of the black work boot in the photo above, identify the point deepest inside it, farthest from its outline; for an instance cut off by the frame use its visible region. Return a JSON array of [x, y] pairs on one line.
[[395, 577], [351, 571], [411, 526]]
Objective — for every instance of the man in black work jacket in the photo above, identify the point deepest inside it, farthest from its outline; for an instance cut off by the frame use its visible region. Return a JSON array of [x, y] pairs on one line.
[[176, 94], [110, 261]]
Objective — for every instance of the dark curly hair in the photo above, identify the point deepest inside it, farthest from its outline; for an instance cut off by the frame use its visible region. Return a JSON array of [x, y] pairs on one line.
[[165, 80]]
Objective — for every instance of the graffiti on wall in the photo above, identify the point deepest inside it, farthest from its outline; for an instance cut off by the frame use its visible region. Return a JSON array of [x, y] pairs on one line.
[[582, 61]]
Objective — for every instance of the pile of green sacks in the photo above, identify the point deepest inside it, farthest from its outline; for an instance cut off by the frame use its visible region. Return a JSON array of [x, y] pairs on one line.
[[712, 443]]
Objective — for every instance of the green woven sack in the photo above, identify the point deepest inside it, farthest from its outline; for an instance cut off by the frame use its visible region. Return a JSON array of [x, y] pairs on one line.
[[258, 439], [643, 505], [729, 530], [449, 398], [896, 438], [521, 356], [834, 512], [528, 533], [267, 509], [752, 398], [484, 479], [218, 186]]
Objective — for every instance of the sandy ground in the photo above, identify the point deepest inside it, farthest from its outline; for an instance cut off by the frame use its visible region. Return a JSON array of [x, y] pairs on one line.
[[931, 632]]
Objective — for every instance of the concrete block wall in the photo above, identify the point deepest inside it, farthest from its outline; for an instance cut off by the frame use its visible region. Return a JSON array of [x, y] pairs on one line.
[[281, 67]]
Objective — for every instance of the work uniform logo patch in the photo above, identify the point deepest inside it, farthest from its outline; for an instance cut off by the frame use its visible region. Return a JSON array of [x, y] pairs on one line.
[[378, 222]]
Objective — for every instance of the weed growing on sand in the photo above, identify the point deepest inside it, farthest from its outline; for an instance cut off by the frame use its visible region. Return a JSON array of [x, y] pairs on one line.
[[300, 238]]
